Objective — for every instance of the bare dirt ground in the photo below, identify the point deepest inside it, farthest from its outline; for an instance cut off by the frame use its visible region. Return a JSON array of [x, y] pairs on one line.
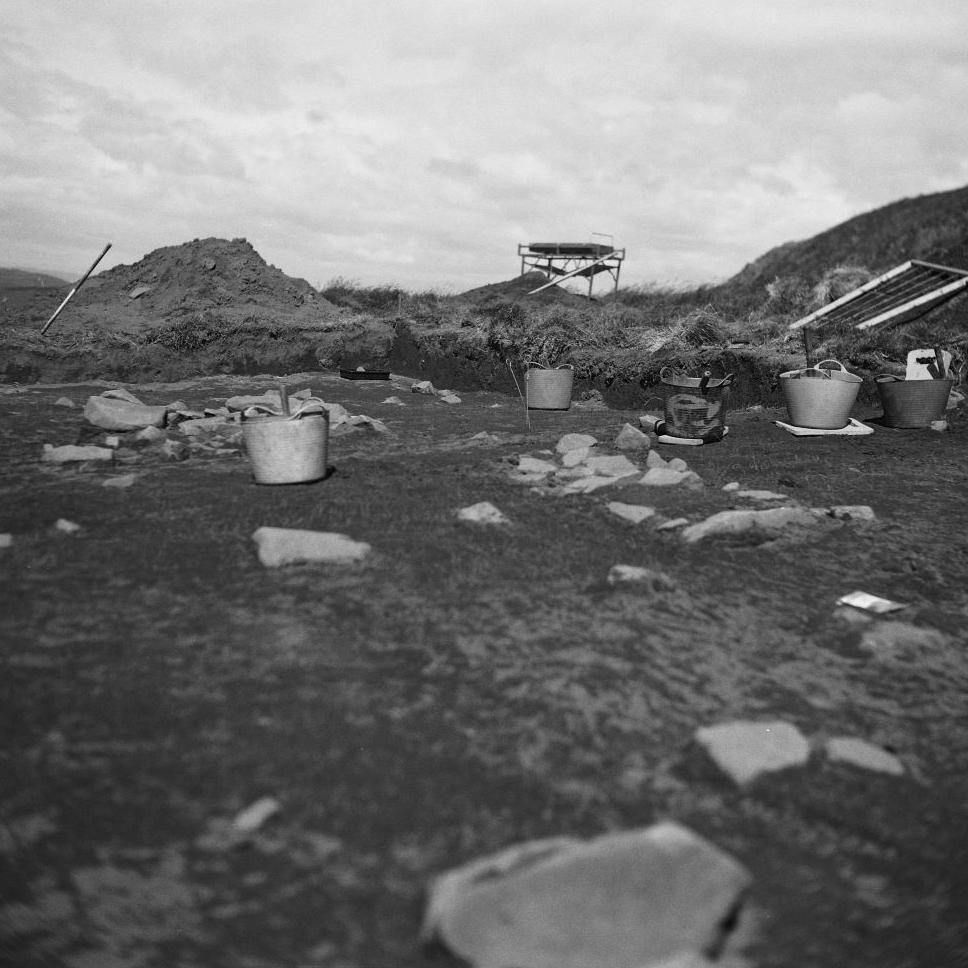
[[464, 687]]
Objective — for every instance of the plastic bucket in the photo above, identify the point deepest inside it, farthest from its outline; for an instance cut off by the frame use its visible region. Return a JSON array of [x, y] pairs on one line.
[[287, 450], [913, 403], [695, 406], [546, 389], [820, 397]]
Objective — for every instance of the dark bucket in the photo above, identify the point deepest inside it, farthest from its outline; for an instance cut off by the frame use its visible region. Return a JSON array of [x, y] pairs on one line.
[[695, 406]]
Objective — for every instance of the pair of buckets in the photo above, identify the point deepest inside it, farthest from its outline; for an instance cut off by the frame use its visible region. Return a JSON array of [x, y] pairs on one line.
[[287, 449], [821, 397]]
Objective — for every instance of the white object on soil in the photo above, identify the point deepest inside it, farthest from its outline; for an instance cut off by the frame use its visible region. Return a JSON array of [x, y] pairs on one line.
[[532, 465], [744, 750], [122, 480], [110, 413], [255, 815], [755, 495], [68, 527], [658, 895], [482, 513], [574, 441], [636, 513], [657, 581], [617, 466], [283, 546], [631, 438], [6, 540], [770, 523], [669, 476], [863, 754], [73, 452]]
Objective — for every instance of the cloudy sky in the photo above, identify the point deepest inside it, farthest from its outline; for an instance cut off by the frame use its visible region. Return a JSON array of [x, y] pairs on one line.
[[417, 142]]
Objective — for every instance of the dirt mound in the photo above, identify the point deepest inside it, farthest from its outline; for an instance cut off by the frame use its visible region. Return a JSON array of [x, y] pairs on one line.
[[214, 279], [520, 288]]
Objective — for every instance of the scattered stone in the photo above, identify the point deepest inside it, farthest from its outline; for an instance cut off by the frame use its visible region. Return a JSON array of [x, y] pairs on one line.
[[482, 513], [572, 458], [254, 816], [119, 393], [532, 465], [361, 421], [6, 540], [67, 527], [73, 452], [573, 473], [939, 425], [283, 546], [887, 640], [110, 413], [669, 476], [678, 464], [423, 386], [448, 396], [122, 480], [631, 438], [271, 399], [744, 750], [731, 486], [64, 402], [636, 513], [574, 442], [863, 754], [617, 466], [761, 495], [656, 581], [203, 425], [174, 449], [593, 482], [658, 895], [112, 441], [767, 524], [655, 459], [396, 401], [672, 524], [150, 434]]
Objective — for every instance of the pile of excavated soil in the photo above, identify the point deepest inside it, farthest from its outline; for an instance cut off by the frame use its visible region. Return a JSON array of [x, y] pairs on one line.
[[212, 278]]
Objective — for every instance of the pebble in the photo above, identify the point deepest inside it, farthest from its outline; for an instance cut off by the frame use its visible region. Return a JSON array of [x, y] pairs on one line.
[[482, 513], [6, 540], [863, 754], [636, 513], [122, 480], [67, 527], [656, 580]]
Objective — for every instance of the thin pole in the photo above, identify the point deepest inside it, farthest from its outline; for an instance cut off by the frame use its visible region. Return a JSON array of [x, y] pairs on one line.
[[77, 285]]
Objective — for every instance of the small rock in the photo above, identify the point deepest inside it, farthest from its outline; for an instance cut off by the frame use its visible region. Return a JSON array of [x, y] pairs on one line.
[[585, 485], [863, 754], [482, 513], [122, 480], [678, 464], [110, 413], [254, 816], [731, 486], [617, 466], [939, 425], [636, 513], [203, 425], [448, 396], [850, 512], [744, 750], [150, 434], [649, 422], [672, 524], [64, 402], [667, 477], [423, 386], [174, 449], [67, 527], [631, 438], [572, 458], [283, 546], [119, 393], [655, 459], [761, 495], [6, 540], [657, 581], [113, 441], [771, 523], [72, 452], [396, 401], [531, 465], [574, 441]]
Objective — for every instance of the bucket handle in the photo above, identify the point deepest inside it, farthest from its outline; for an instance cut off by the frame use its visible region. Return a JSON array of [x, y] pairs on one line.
[[309, 407], [826, 369], [534, 364]]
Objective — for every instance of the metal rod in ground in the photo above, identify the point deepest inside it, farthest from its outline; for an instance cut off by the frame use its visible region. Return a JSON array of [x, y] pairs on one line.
[[77, 285]]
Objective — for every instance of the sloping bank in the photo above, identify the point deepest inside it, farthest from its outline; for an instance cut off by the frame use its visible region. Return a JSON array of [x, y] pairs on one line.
[[461, 359]]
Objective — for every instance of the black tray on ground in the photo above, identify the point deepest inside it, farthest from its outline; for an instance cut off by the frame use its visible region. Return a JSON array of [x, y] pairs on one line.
[[365, 374]]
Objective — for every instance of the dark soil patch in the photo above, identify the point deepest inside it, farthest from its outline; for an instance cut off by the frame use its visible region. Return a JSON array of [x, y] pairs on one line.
[[462, 688]]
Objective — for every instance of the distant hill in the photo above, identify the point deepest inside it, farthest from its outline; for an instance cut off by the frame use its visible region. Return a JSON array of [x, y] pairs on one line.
[[23, 278], [932, 228]]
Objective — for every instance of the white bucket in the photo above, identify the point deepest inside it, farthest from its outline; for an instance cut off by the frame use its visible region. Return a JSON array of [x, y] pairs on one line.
[[287, 450]]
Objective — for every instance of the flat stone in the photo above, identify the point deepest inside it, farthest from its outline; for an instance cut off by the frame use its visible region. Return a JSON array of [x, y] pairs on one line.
[[636, 513], [482, 513], [423, 386], [678, 464], [65, 526], [617, 465], [850, 512], [203, 425], [119, 393], [638, 898], [572, 458], [631, 438], [744, 750], [860, 753], [73, 452], [109, 413], [655, 459], [395, 401], [672, 524], [755, 495], [656, 581], [731, 486], [768, 523], [122, 480], [64, 402], [446, 396], [150, 434], [284, 546], [532, 465], [668, 477], [585, 485], [574, 441]]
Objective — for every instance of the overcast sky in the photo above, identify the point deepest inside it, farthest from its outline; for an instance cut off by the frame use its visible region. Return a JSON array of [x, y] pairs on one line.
[[417, 142]]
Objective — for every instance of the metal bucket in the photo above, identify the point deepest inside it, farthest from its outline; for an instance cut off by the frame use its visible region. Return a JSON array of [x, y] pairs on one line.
[[546, 389], [695, 406], [913, 403], [287, 450]]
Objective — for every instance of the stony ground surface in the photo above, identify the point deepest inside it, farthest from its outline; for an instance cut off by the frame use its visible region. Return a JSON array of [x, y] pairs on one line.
[[465, 686]]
